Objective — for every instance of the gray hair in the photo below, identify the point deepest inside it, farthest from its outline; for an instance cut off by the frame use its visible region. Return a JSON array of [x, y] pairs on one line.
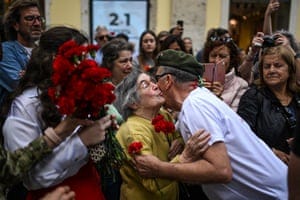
[[101, 28], [126, 94], [180, 76]]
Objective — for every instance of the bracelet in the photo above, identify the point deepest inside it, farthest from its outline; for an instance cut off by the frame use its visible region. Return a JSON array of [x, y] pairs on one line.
[[53, 137]]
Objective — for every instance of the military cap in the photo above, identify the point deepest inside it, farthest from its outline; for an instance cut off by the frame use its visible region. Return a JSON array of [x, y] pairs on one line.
[[180, 60]]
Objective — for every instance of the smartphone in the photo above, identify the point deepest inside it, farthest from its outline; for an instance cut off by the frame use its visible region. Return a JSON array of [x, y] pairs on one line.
[[180, 23], [214, 72]]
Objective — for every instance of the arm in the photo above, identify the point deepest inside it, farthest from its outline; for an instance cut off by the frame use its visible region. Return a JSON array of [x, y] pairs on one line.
[[213, 168], [272, 7], [16, 164], [245, 69], [23, 126], [12, 63]]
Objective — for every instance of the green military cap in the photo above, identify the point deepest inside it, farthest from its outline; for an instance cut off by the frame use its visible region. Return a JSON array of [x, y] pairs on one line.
[[180, 60]]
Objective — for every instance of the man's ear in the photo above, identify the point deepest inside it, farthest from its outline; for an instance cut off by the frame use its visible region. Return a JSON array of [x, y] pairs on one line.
[[169, 81]]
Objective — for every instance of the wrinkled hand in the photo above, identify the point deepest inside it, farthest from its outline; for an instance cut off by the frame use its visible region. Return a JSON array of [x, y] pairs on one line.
[[281, 40], [22, 73], [272, 7], [282, 156], [60, 193], [68, 125], [216, 87], [195, 147], [147, 165], [176, 148], [95, 133], [257, 42]]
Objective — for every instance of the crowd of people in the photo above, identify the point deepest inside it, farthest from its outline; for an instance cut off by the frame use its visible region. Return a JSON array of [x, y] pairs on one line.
[[183, 137]]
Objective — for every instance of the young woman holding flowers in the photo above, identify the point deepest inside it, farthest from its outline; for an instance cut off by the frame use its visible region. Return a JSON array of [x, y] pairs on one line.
[[147, 130], [32, 113]]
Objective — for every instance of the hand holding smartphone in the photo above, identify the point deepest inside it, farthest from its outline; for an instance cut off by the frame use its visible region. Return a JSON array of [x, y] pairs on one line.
[[214, 72]]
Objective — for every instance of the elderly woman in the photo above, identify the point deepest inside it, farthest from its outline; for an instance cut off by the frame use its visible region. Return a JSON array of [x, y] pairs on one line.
[[117, 57], [139, 101], [223, 49], [270, 108]]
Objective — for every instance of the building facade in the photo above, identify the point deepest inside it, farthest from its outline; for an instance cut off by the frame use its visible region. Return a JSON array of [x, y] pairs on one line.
[[242, 17]]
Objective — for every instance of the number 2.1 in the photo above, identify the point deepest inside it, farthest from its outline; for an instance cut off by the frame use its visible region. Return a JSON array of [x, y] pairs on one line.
[[115, 17]]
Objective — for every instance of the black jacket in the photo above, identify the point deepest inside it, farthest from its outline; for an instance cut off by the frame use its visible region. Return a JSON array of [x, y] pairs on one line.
[[264, 113]]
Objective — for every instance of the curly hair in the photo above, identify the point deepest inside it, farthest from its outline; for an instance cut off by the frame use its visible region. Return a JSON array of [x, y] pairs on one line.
[[39, 70], [126, 94], [13, 14]]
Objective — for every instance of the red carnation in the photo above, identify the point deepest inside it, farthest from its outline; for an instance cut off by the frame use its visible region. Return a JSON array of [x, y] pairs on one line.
[[135, 148]]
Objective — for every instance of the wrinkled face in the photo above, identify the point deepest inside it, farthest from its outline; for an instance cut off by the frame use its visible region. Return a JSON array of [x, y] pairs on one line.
[[162, 82], [102, 37], [220, 54], [275, 71], [148, 43], [29, 27], [150, 94], [122, 66]]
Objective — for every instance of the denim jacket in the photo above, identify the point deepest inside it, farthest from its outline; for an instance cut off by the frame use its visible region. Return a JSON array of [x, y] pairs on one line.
[[14, 59]]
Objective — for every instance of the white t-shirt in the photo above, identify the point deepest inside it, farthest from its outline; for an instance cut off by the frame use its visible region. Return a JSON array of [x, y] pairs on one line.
[[257, 172]]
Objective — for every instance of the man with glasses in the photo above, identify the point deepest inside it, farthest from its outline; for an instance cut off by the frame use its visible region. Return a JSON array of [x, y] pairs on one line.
[[23, 27], [102, 37]]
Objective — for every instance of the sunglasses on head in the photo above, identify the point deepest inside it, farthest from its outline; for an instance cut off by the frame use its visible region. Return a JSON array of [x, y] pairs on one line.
[[221, 39]]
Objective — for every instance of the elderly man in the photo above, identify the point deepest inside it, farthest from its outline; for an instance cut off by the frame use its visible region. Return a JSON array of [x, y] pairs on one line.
[[237, 165], [102, 37], [23, 27]]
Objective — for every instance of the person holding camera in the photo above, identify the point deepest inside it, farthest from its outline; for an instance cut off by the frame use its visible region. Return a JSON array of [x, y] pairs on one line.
[[271, 105], [249, 68]]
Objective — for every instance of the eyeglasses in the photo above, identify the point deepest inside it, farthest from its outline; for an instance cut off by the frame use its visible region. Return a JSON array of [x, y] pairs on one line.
[[158, 76], [100, 38], [144, 84], [33, 18]]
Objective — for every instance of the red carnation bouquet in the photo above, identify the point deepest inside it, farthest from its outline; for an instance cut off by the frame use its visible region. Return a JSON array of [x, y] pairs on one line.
[[162, 125], [81, 89]]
